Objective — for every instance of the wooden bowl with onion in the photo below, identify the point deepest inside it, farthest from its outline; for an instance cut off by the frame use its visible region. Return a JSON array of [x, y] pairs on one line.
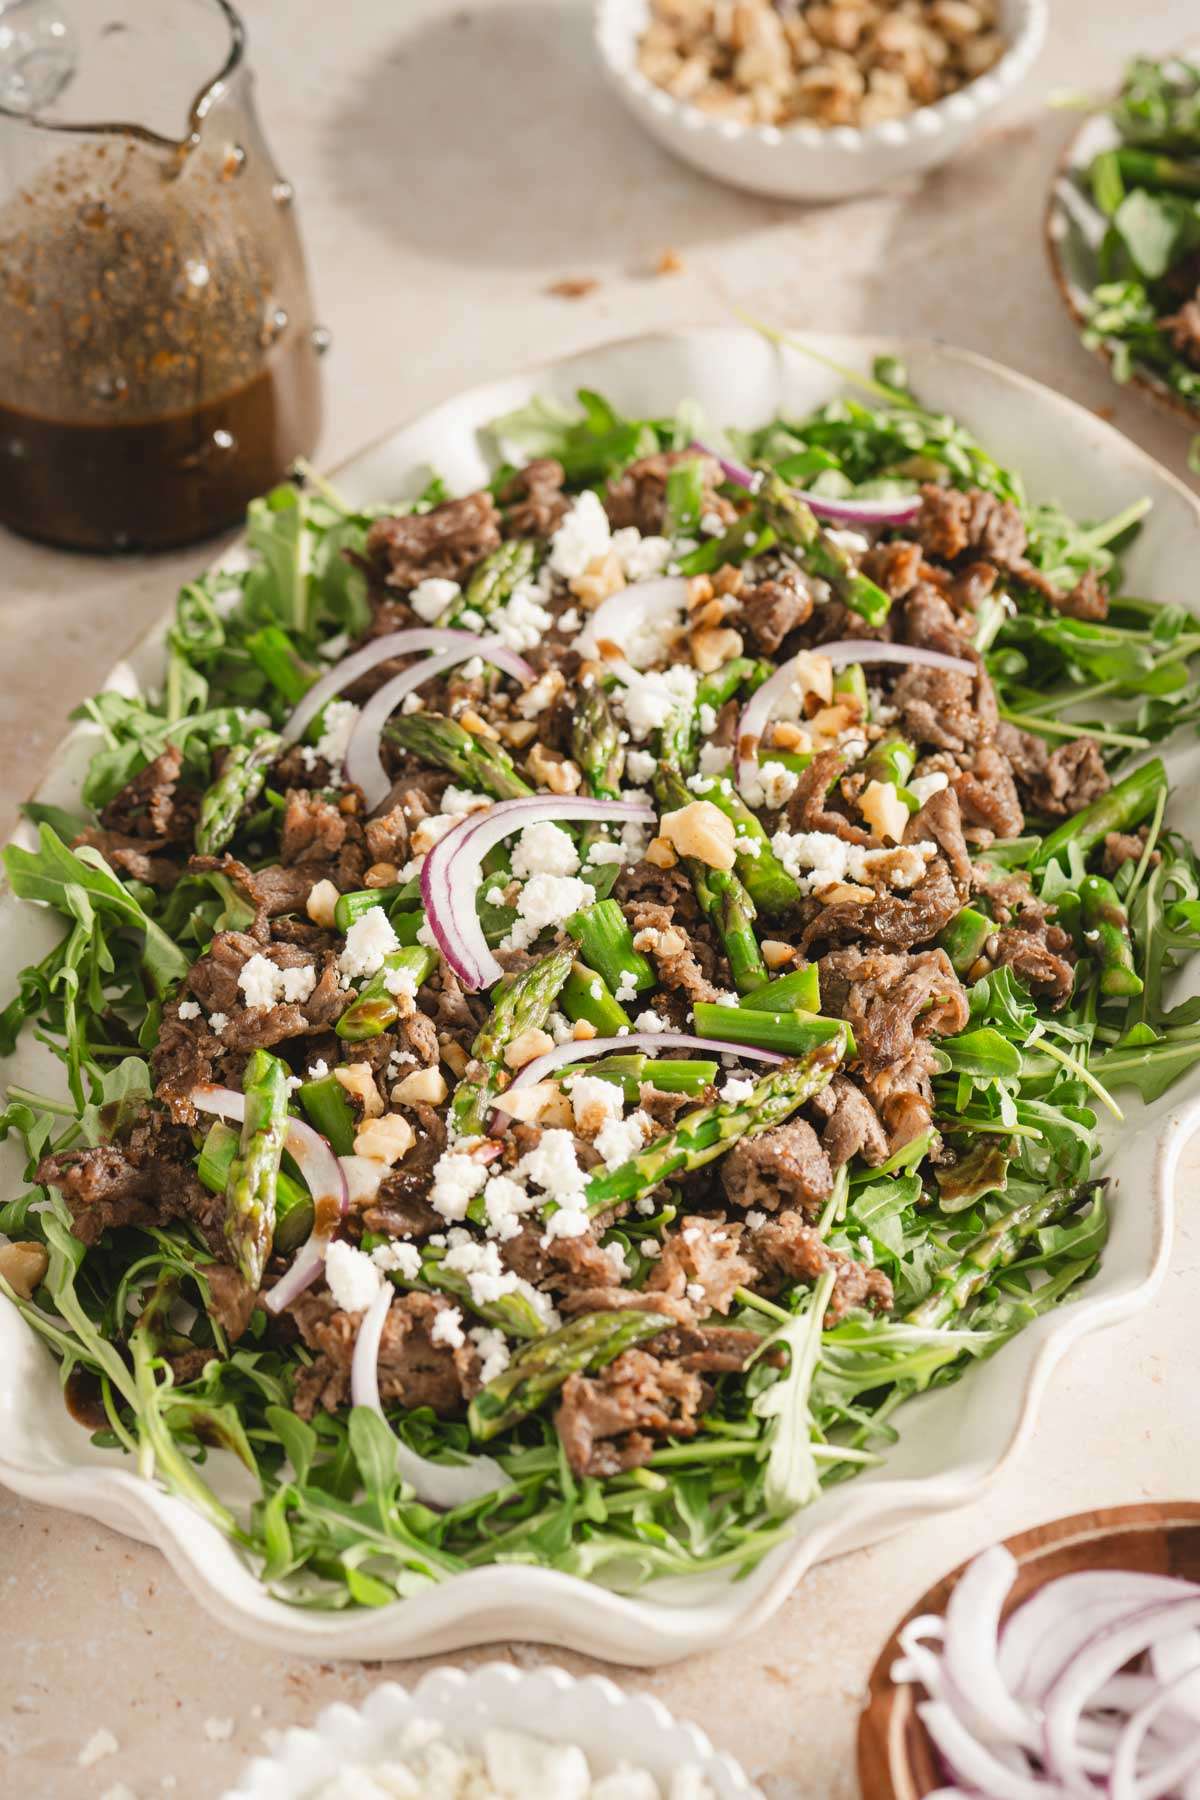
[[896, 1759]]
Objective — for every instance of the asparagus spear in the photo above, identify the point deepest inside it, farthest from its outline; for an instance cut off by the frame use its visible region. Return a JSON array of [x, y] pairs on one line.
[[680, 738], [513, 1314], [587, 996], [891, 759], [242, 779], [293, 1202], [538, 1370], [985, 1255], [502, 570], [722, 895], [763, 875], [379, 1003], [708, 1131], [1126, 804], [964, 937], [352, 906], [606, 943], [596, 743], [793, 1032], [1106, 932], [798, 990], [850, 683], [254, 1172], [477, 762], [521, 1003], [795, 523], [632, 1070], [329, 1111]]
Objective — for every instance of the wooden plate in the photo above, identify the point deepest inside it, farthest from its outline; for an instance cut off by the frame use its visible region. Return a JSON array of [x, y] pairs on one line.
[[895, 1757], [1072, 227]]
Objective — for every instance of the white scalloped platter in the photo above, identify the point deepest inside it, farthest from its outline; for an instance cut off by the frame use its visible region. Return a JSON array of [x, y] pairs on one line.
[[610, 1727], [954, 1440]]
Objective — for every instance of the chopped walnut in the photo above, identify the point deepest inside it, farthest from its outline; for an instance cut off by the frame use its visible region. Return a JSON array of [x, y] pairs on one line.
[[602, 578], [702, 830]]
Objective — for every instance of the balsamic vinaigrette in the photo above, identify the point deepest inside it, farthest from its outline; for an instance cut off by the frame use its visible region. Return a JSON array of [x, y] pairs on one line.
[[158, 357]]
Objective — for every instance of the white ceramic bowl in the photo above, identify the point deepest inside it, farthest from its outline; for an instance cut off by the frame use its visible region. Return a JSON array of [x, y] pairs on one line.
[[953, 1440], [609, 1726], [813, 162]]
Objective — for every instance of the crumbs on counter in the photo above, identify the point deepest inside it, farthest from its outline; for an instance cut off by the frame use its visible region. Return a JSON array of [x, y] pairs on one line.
[[102, 1743], [573, 287], [669, 263]]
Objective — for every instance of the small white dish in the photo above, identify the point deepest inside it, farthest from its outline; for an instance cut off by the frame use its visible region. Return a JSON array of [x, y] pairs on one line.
[[609, 1726], [814, 162]]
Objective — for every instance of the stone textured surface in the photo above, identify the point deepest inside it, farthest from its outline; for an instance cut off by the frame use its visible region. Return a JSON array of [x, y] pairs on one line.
[[452, 162]]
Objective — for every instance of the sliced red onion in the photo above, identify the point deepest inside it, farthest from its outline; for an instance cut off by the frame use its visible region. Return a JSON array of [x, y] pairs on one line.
[[856, 512], [380, 649], [364, 766], [1168, 1770], [756, 714], [1173, 1660], [972, 1627], [645, 601], [450, 874], [443, 1485], [323, 1176], [579, 1049]]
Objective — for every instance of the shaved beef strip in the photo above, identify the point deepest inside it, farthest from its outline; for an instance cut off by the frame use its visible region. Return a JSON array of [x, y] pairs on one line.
[[809, 808], [987, 795], [887, 999], [772, 609], [151, 805], [688, 963], [1042, 967], [787, 1250], [1058, 782], [133, 858], [533, 501], [700, 1262], [607, 1422], [895, 567], [442, 544], [147, 1179], [892, 919], [1121, 847], [785, 1166], [707, 1349], [413, 1370], [851, 1124], [952, 522], [639, 496]]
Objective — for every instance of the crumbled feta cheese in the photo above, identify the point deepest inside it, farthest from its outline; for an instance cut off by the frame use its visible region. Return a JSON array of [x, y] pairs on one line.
[[494, 896], [627, 988], [569, 621], [544, 901], [706, 718], [352, 1277], [522, 624], [924, 787], [456, 1181], [447, 1328], [747, 846], [755, 1220], [649, 1020], [811, 858], [602, 851], [399, 1259], [594, 1102], [640, 557], [493, 1352], [773, 786], [534, 701], [188, 1009], [458, 802], [258, 980], [364, 1177], [640, 766], [648, 701], [217, 1022], [368, 941], [583, 535], [560, 1027], [545, 849], [318, 1070], [852, 542], [430, 598], [505, 1201], [470, 620], [737, 1087], [340, 718], [620, 1139], [297, 984], [715, 758]]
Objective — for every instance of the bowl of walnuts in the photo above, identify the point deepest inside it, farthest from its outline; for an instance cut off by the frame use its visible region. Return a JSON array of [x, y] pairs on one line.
[[816, 99]]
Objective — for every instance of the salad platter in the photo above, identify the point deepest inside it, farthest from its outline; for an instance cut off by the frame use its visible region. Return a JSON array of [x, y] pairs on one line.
[[743, 1384]]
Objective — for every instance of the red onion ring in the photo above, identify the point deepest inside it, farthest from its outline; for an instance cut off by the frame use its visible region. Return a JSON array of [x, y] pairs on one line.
[[638, 604], [450, 874], [363, 764], [585, 1048], [444, 1485], [380, 649], [323, 1176], [855, 512], [757, 712]]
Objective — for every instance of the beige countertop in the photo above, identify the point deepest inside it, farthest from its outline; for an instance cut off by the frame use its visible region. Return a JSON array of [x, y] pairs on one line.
[[451, 162]]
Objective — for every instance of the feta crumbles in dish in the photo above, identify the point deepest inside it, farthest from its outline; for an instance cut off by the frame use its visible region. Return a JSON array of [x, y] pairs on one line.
[[427, 1763], [550, 1076]]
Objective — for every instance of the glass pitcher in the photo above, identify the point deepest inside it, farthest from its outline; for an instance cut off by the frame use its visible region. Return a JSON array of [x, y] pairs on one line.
[[158, 355]]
